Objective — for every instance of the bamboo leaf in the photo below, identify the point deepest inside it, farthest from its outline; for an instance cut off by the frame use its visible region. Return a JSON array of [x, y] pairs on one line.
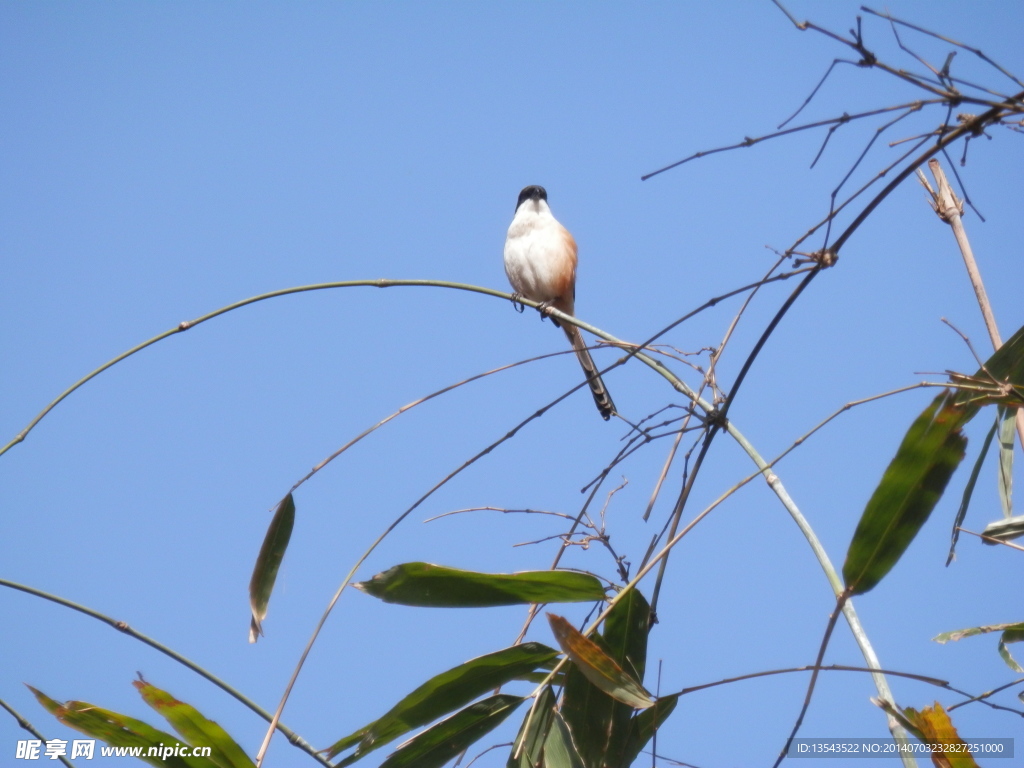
[[625, 632], [559, 750], [1013, 634], [933, 726], [624, 635], [436, 586], [945, 637], [440, 743], [968, 493], [539, 677], [644, 724], [1007, 436], [588, 713], [528, 748], [960, 634], [598, 666], [1005, 365], [120, 731], [264, 573], [600, 725], [196, 729], [1004, 530], [443, 694], [908, 492]]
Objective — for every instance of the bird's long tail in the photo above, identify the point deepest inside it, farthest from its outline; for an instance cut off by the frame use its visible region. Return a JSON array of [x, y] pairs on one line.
[[597, 388]]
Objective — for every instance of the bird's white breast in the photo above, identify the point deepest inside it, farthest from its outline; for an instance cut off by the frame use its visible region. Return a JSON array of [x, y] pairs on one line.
[[534, 252]]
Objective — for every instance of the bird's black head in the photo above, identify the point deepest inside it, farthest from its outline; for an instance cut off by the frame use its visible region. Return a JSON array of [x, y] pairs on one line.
[[533, 192]]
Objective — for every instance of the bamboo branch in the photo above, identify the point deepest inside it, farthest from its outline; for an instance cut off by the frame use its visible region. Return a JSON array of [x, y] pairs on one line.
[[950, 209]]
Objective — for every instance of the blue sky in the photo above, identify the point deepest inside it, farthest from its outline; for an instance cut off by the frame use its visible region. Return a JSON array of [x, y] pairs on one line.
[[158, 161]]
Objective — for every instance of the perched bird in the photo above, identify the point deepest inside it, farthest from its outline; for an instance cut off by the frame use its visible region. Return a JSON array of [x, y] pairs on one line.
[[540, 261]]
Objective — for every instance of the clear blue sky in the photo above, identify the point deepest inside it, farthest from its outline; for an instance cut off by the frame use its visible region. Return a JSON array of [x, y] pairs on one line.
[[161, 160]]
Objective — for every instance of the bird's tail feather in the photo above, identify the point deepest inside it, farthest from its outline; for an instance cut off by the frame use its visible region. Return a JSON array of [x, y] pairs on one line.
[[597, 387]]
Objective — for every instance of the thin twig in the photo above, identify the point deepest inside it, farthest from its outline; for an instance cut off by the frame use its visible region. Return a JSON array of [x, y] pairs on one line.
[[500, 509], [188, 324], [749, 141], [813, 668], [847, 406], [981, 697], [664, 472], [373, 546], [993, 540], [124, 628], [26, 725], [409, 406], [835, 582], [856, 163], [967, 127], [840, 601], [976, 51], [721, 418]]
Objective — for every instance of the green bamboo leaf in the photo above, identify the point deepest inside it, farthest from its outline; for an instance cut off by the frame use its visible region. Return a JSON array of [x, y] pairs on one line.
[[1011, 633], [960, 634], [435, 586], [539, 677], [625, 636], [264, 573], [625, 632], [969, 492], [559, 750], [528, 748], [644, 724], [1011, 662], [910, 488], [120, 731], [1007, 437], [588, 712], [440, 743], [196, 729], [1005, 365], [443, 694], [1014, 634], [600, 724], [598, 666]]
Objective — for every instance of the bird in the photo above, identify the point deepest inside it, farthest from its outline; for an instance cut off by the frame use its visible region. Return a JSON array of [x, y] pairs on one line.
[[540, 263]]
